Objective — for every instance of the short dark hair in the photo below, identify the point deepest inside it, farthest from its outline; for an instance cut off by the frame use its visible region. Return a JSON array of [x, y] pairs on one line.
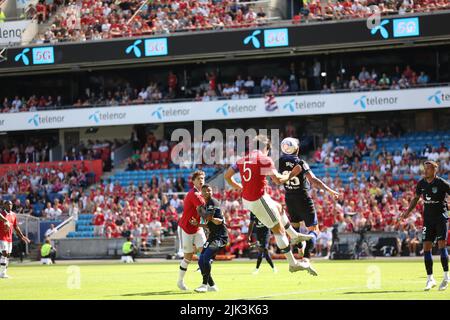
[[197, 174], [205, 186]]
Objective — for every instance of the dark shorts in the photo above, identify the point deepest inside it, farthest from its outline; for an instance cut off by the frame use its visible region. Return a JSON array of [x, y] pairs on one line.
[[435, 230], [263, 238], [301, 209], [215, 244]]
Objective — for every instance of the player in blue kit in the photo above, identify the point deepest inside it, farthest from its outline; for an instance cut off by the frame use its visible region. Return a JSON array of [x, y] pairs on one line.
[[217, 238], [262, 242], [433, 190], [298, 201]]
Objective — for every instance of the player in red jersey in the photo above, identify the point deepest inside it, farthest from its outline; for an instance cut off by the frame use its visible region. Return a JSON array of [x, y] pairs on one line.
[[8, 222], [190, 233], [254, 169]]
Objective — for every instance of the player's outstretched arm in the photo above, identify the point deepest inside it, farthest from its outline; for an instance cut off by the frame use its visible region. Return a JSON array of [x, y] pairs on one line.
[[278, 178], [21, 235], [228, 176], [316, 182], [411, 207]]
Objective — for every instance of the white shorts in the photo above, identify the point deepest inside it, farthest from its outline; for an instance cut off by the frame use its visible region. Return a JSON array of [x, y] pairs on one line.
[[265, 209], [189, 240], [6, 246]]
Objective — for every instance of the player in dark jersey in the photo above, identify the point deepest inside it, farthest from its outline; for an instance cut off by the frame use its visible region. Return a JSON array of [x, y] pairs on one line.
[[262, 242], [217, 239], [433, 190], [298, 201]]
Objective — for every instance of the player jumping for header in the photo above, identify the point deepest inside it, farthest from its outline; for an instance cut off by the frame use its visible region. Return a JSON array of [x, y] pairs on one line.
[[298, 202], [434, 190], [254, 169]]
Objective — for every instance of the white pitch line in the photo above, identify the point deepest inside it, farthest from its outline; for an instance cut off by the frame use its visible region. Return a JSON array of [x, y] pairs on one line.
[[301, 292]]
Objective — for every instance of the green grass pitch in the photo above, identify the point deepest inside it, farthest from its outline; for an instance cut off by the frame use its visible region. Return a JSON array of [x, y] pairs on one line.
[[343, 280]]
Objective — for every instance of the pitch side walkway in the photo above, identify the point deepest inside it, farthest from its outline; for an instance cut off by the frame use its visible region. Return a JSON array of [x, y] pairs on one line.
[[240, 260]]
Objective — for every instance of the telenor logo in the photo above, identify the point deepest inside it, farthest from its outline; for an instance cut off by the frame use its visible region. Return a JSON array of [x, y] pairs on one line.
[[365, 101], [436, 97], [294, 105], [135, 48], [158, 113], [223, 109], [95, 117], [23, 56], [439, 97], [384, 33], [361, 101], [37, 120], [98, 116], [253, 38], [34, 120], [290, 105], [227, 109]]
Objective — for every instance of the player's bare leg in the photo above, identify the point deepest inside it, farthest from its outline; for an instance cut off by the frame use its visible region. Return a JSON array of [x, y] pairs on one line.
[[442, 245], [428, 259], [283, 244], [4, 264], [183, 268]]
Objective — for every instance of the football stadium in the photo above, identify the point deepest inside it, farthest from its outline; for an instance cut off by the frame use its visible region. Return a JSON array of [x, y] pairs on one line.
[[224, 150]]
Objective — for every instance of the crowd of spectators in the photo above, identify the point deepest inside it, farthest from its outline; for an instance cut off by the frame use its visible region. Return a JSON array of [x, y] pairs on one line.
[[212, 88], [58, 193], [95, 20], [382, 163], [316, 10], [35, 150], [149, 210], [372, 202]]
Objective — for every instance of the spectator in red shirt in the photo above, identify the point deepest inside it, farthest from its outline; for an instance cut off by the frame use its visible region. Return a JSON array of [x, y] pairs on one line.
[[98, 221]]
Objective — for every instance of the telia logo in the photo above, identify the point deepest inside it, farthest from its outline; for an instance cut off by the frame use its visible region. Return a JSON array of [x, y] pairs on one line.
[[290, 105], [223, 109], [23, 56], [361, 101], [34, 120], [436, 97], [135, 48], [158, 113], [253, 38], [384, 33]]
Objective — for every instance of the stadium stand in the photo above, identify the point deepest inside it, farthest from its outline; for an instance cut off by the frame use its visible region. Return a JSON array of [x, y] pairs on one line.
[[384, 187], [210, 88]]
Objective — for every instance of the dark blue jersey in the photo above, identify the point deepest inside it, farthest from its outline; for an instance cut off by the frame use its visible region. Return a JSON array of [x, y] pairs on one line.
[[261, 230], [433, 194], [216, 232], [297, 185]]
